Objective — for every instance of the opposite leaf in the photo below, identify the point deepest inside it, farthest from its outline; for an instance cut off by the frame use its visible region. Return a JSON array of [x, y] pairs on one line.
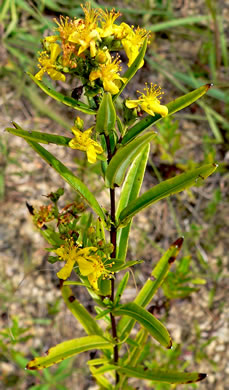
[[69, 177], [38, 136], [147, 320], [151, 286], [76, 104], [79, 312], [67, 349], [106, 117], [164, 189], [162, 376], [123, 157]]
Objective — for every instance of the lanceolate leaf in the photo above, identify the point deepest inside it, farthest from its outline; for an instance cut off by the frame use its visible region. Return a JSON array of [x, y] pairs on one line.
[[162, 376], [133, 68], [39, 137], [106, 116], [130, 191], [67, 349], [147, 320], [164, 189], [151, 286], [76, 104], [159, 274], [79, 312], [123, 157], [121, 287], [174, 106], [69, 177]]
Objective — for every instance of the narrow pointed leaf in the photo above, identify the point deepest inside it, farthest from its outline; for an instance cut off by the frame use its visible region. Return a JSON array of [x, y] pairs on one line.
[[162, 376], [105, 384], [80, 313], [120, 266], [106, 117], [69, 177], [133, 68], [121, 287], [38, 136], [164, 189], [130, 191], [151, 286], [147, 320], [67, 349], [68, 101], [174, 106], [123, 158]]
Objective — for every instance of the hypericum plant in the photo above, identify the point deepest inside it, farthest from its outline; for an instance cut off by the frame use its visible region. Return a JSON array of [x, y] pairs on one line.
[[83, 48]]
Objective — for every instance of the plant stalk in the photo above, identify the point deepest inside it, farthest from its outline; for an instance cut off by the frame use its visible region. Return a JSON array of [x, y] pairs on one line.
[[113, 238]]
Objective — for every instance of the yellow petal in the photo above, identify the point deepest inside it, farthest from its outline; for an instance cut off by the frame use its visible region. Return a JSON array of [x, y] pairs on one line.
[[91, 154], [55, 51], [52, 38], [132, 103], [65, 272], [40, 74], [55, 75], [86, 267], [110, 86], [93, 281], [95, 74]]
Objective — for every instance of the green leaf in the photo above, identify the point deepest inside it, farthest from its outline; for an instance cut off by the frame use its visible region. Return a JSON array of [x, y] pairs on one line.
[[79, 312], [105, 384], [68, 101], [121, 287], [159, 274], [162, 376], [67, 349], [174, 106], [69, 177], [123, 157], [120, 265], [103, 314], [104, 286], [52, 237], [130, 191], [164, 189], [151, 286], [39, 137], [147, 320], [133, 68], [106, 117]]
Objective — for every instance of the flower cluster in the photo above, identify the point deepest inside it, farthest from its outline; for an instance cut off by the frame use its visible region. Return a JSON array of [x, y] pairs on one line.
[[84, 45], [89, 260]]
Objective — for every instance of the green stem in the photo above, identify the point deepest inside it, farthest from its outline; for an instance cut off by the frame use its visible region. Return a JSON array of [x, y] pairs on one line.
[[113, 240]]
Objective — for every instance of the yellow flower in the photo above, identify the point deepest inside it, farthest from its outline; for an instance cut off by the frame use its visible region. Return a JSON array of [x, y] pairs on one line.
[[108, 19], [149, 102], [48, 63], [92, 267], [109, 75], [132, 44], [71, 253], [103, 56], [90, 264], [67, 26], [85, 34], [82, 141]]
